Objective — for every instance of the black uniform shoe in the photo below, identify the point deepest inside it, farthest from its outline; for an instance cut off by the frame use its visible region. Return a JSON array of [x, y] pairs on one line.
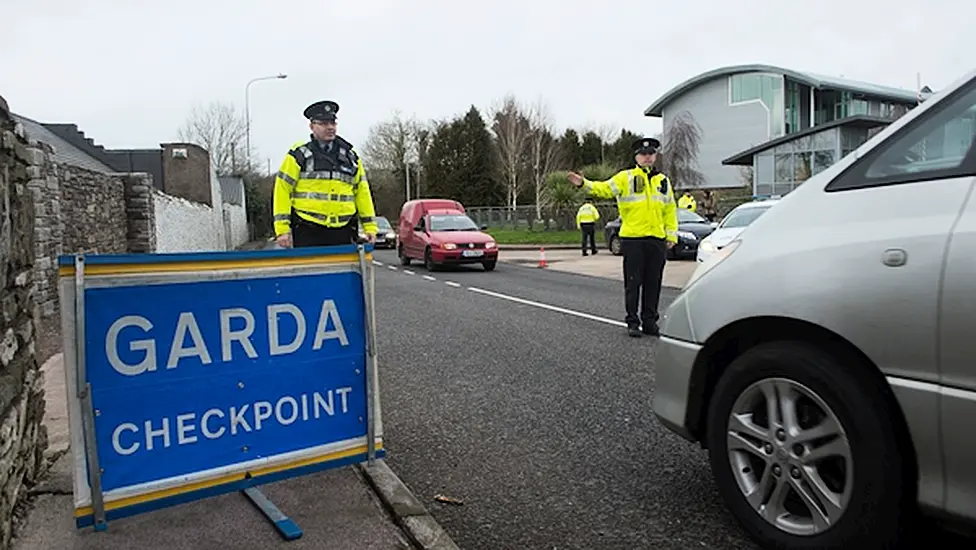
[[634, 332], [652, 330]]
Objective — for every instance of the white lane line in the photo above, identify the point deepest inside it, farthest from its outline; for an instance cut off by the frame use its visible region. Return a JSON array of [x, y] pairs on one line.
[[452, 283], [429, 278], [549, 307], [391, 267], [378, 263], [408, 272]]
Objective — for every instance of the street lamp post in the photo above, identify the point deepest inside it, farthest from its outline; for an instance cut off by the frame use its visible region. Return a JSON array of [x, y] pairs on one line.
[[247, 108]]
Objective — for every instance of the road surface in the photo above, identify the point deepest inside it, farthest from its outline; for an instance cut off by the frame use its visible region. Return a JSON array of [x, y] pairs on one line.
[[519, 392]]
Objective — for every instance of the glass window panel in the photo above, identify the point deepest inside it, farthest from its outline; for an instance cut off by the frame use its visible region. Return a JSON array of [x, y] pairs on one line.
[[745, 87], [825, 140], [859, 107], [802, 166], [764, 168], [764, 189], [784, 167], [822, 160]]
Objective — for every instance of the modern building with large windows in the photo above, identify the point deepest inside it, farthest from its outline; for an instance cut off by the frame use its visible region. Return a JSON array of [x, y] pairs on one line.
[[748, 114]]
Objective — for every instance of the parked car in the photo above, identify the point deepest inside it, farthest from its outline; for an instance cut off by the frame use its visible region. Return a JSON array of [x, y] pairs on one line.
[[385, 235], [731, 226], [692, 228], [438, 232], [825, 357]]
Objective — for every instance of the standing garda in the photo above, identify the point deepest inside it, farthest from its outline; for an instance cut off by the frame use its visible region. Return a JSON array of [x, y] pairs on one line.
[[649, 227], [321, 194]]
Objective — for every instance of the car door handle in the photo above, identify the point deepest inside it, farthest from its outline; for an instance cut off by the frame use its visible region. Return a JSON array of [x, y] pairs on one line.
[[894, 257]]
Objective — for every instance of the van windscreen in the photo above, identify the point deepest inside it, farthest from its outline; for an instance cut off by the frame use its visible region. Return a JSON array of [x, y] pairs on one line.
[[452, 222]]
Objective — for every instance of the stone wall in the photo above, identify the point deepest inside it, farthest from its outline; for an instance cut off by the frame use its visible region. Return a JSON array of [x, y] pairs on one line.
[[23, 439]]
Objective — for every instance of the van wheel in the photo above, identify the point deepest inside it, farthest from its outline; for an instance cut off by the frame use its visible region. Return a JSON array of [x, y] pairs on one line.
[[615, 245], [404, 260], [429, 261], [489, 264], [804, 451]]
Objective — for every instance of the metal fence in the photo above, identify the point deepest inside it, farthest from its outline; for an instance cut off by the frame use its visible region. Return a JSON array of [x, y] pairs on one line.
[[526, 217]]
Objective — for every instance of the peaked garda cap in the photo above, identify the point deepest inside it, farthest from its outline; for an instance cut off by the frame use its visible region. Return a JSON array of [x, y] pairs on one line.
[[322, 110], [646, 145]]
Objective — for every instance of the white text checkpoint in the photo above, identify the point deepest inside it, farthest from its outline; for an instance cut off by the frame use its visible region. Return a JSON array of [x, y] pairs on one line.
[[187, 325], [214, 423]]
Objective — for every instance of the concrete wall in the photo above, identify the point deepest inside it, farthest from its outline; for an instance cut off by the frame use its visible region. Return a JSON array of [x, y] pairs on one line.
[[235, 225], [23, 439], [726, 129], [184, 226]]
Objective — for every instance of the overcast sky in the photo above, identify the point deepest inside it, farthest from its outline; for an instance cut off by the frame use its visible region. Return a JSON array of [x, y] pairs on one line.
[[129, 71]]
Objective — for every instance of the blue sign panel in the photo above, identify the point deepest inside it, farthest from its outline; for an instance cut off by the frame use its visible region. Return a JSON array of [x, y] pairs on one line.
[[192, 376], [201, 374]]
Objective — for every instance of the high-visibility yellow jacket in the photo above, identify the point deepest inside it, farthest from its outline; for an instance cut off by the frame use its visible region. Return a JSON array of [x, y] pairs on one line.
[[586, 214], [645, 201], [329, 189], [688, 202]]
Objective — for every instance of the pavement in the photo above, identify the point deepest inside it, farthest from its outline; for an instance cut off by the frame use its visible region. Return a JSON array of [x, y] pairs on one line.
[[603, 264]]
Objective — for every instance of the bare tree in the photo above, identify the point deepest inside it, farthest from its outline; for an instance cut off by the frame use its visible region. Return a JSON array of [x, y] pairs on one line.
[[512, 138], [608, 134], [394, 145], [679, 151], [746, 176], [543, 152], [221, 130]]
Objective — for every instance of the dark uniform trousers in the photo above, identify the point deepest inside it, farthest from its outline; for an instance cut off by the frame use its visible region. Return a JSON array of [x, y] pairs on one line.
[[644, 259], [589, 233], [306, 233]]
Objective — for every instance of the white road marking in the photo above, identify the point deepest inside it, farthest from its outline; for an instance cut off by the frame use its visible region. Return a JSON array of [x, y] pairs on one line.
[[408, 272], [452, 283], [392, 267], [429, 278], [378, 263], [549, 307]]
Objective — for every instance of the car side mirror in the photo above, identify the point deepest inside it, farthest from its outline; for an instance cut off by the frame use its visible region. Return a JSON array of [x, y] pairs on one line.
[[483, 227], [714, 225]]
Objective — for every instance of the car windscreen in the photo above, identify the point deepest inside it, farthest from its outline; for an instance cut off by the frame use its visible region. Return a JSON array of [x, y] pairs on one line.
[[383, 224], [452, 222], [687, 216], [742, 217]]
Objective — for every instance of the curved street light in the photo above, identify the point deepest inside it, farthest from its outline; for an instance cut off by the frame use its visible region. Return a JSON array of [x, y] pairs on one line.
[[247, 107]]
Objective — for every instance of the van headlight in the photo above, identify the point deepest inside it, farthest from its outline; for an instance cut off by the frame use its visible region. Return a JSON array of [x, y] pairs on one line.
[[711, 262], [688, 235]]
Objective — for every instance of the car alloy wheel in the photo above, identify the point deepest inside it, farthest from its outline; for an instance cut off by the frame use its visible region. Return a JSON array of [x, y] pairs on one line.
[[790, 456], [803, 441], [615, 245]]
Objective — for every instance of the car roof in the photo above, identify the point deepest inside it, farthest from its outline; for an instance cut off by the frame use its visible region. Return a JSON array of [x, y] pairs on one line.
[[755, 204]]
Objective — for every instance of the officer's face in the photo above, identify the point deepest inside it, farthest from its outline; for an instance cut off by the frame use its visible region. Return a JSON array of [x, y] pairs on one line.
[[324, 130], [645, 159]]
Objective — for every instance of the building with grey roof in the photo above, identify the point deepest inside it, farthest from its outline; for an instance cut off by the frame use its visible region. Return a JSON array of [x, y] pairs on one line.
[[64, 152], [746, 110]]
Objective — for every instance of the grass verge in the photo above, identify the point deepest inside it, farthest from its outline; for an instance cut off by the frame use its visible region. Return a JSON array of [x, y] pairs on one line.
[[524, 236]]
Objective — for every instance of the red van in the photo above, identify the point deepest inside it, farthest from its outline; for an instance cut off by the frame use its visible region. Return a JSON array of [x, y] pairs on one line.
[[438, 232]]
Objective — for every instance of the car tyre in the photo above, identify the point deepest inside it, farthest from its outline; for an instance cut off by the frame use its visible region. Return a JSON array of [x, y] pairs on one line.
[[489, 264], [429, 261], [615, 246], [873, 494], [404, 260]]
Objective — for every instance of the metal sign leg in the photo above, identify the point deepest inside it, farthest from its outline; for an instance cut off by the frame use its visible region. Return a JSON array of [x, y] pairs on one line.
[[288, 529], [84, 394], [370, 358]]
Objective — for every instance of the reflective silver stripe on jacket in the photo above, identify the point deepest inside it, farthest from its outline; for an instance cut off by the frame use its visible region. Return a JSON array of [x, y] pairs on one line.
[[323, 196], [366, 219], [282, 217], [326, 175], [327, 219], [290, 180], [307, 153]]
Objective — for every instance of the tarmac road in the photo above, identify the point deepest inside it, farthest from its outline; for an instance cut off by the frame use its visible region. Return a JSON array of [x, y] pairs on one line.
[[539, 420], [519, 393]]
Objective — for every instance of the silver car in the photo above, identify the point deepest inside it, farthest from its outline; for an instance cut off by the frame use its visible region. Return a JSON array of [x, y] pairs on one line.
[[826, 358]]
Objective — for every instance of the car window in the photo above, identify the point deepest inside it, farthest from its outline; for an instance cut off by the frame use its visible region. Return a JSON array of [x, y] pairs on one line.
[[687, 216], [452, 222], [383, 224], [937, 145], [741, 217]]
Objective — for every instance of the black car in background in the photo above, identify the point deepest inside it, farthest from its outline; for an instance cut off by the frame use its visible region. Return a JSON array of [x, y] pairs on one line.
[[692, 228], [385, 236]]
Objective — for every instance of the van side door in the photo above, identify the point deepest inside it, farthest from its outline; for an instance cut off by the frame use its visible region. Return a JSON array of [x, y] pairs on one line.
[[912, 189], [957, 343]]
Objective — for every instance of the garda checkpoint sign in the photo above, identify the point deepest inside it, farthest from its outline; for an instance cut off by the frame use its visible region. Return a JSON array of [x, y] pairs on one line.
[[191, 375]]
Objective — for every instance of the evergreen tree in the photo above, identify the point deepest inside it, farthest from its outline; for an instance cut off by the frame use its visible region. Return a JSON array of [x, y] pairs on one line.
[[460, 163], [591, 151], [570, 149], [621, 153]]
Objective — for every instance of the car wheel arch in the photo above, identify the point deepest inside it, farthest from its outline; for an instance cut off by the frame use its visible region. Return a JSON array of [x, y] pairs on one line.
[[734, 339]]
